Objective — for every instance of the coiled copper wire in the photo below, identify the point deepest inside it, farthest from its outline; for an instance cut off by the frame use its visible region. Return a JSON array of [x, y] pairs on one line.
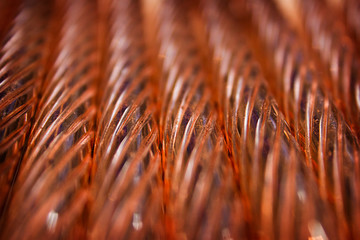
[[201, 197], [272, 167], [127, 185], [22, 57], [331, 148], [192, 145], [50, 195], [337, 50]]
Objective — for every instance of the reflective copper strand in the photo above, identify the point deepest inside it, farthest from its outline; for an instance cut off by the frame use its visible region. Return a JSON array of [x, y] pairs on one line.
[[51, 194], [127, 185], [201, 198], [272, 169], [336, 48], [330, 146], [22, 57]]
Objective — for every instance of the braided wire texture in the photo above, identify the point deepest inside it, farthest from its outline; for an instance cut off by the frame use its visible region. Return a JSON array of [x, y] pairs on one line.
[[50, 195], [330, 146], [201, 197], [22, 55], [270, 163], [330, 38], [127, 186], [116, 143]]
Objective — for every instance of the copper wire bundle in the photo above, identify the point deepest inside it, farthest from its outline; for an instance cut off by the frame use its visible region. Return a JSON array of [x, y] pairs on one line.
[[160, 119], [22, 59], [331, 148], [201, 197], [50, 194], [127, 185], [267, 155], [337, 50]]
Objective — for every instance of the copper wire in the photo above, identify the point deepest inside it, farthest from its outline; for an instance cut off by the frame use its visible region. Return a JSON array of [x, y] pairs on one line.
[[337, 50], [264, 149], [201, 198], [22, 58], [331, 148], [50, 194], [127, 185]]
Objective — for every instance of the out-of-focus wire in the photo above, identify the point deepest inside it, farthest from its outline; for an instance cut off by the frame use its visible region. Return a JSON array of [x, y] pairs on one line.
[[331, 147], [337, 50]]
